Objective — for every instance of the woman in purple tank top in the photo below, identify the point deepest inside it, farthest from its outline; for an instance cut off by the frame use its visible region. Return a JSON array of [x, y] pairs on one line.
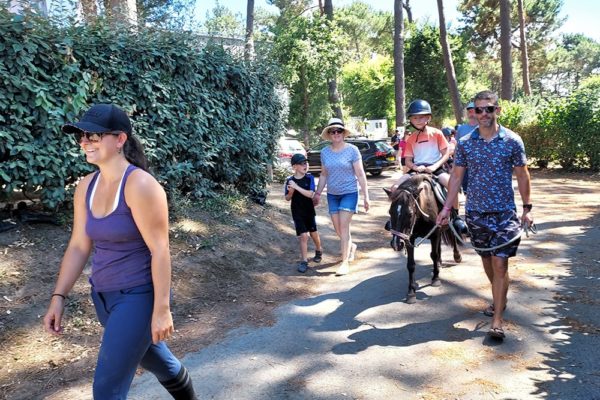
[[121, 219]]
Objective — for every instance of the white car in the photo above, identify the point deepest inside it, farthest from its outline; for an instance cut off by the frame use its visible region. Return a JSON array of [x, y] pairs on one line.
[[286, 148]]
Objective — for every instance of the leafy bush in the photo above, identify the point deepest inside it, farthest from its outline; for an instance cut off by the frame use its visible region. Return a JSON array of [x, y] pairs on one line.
[[207, 120], [572, 125]]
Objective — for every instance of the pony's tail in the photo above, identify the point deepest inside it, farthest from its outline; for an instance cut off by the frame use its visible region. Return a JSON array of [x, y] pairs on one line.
[[448, 237]]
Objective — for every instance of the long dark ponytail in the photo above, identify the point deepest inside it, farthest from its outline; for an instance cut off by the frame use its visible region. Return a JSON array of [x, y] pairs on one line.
[[134, 152]]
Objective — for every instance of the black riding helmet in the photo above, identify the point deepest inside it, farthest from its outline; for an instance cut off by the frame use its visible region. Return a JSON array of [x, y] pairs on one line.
[[418, 107]]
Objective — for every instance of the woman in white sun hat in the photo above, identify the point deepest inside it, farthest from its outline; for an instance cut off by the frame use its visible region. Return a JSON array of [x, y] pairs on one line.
[[342, 172]]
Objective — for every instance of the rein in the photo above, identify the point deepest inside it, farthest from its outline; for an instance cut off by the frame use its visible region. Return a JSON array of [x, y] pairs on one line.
[[416, 203], [406, 237], [401, 235]]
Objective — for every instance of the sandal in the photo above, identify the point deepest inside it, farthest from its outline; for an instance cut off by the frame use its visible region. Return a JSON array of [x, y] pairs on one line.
[[490, 310], [497, 333]]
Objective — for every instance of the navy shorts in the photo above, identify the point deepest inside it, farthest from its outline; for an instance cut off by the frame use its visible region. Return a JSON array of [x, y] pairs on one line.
[[493, 229], [304, 223]]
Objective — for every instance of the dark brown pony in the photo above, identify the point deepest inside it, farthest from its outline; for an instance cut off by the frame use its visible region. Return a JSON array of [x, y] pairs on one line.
[[413, 212]]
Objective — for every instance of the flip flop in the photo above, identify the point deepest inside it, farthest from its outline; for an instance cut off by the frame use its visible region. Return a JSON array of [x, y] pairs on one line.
[[497, 333], [490, 310]]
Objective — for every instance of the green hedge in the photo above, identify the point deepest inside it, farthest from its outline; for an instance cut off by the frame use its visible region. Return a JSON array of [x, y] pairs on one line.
[[572, 126], [208, 120], [564, 131]]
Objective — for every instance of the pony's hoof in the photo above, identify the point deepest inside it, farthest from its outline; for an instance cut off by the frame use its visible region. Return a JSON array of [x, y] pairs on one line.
[[457, 258], [411, 299], [436, 283]]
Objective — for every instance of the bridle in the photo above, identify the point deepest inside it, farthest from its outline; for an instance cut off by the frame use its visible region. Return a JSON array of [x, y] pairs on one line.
[[406, 237]]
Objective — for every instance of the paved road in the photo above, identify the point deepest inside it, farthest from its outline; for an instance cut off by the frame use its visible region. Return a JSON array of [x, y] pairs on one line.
[[358, 339]]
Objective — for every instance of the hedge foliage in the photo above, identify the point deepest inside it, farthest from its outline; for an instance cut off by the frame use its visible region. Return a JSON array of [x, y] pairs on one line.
[[207, 120], [564, 130]]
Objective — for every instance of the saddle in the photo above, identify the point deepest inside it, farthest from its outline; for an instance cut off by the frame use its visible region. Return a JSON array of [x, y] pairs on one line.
[[440, 191]]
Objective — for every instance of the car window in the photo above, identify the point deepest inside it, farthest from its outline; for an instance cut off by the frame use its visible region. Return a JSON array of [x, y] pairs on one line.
[[383, 146], [320, 146], [293, 146], [362, 146]]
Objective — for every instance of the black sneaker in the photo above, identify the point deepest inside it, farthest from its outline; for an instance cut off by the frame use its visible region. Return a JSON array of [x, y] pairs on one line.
[[318, 256], [303, 266]]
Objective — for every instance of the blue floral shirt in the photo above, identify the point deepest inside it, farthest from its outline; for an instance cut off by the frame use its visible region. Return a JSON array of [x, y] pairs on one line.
[[490, 166]]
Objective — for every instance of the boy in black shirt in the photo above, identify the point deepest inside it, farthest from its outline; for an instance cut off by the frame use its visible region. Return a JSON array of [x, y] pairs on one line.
[[300, 189]]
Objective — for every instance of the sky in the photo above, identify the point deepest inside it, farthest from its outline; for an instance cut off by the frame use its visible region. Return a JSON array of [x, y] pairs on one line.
[[582, 14]]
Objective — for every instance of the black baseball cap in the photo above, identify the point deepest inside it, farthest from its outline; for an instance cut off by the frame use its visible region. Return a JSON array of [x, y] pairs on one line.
[[298, 158], [101, 118]]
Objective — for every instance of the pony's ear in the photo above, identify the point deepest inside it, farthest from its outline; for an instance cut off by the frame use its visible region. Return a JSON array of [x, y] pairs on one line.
[[388, 192]]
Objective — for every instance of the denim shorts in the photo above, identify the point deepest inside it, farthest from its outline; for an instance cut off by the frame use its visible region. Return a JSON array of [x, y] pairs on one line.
[[493, 229], [342, 202]]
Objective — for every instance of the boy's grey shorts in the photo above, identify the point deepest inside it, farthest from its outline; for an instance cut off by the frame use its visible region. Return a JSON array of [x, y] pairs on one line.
[[493, 229]]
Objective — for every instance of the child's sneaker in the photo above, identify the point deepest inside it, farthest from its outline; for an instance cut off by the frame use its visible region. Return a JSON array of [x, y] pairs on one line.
[[318, 256], [303, 266]]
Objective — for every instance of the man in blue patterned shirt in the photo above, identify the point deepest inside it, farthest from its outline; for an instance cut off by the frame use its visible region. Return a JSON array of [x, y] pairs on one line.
[[491, 153]]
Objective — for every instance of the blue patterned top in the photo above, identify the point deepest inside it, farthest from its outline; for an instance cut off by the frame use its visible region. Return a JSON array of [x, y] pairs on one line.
[[490, 166], [340, 170]]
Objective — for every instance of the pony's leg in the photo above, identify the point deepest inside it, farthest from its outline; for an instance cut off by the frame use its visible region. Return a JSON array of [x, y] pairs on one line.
[[411, 296], [456, 251], [436, 257]]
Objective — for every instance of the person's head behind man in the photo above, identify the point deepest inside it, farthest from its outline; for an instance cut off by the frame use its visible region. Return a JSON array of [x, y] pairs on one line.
[[471, 113], [486, 109]]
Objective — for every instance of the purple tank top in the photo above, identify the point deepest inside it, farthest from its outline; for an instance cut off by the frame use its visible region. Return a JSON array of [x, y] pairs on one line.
[[121, 259]]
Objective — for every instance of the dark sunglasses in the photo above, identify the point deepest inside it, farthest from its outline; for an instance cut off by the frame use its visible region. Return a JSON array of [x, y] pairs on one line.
[[92, 137], [335, 131], [487, 109]]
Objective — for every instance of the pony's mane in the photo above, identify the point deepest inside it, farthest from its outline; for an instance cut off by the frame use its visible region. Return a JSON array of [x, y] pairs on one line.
[[411, 185]]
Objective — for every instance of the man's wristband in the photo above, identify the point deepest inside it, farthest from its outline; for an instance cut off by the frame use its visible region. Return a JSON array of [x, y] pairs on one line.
[[316, 194], [527, 207], [59, 295], [447, 208]]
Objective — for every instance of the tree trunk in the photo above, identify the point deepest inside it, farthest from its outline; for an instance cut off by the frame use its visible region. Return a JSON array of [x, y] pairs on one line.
[[524, 55], [399, 62], [450, 74], [305, 104], [505, 50], [89, 10], [408, 9], [334, 96], [121, 11], [249, 46]]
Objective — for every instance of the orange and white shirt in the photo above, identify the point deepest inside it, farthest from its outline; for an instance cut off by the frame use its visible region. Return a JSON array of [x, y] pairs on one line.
[[427, 147]]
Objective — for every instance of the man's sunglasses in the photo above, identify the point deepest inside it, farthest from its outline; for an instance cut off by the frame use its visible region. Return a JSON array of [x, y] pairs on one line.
[[487, 109], [92, 137], [335, 131]]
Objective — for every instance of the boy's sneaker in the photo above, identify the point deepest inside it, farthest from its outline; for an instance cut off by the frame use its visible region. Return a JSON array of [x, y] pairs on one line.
[[318, 256], [303, 266]]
